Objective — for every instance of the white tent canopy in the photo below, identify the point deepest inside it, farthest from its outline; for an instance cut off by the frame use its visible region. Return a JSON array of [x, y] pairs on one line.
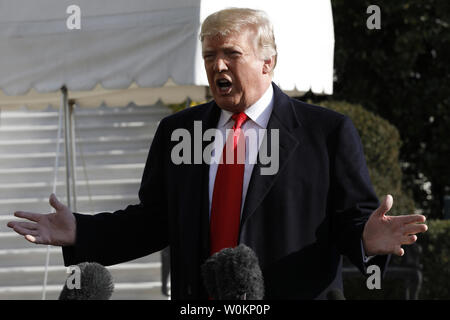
[[141, 51]]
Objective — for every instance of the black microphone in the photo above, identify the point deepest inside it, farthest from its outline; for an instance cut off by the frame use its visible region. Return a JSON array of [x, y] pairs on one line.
[[95, 283], [335, 294], [233, 274]]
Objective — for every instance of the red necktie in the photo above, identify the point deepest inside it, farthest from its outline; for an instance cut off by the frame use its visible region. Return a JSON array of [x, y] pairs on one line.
[[227, 194]]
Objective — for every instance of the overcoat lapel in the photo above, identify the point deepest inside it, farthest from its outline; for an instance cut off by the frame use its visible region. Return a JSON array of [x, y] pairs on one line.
[[284, 120]]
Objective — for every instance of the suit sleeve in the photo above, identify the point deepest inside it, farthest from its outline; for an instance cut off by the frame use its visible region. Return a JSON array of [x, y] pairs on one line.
[[136, 231], [352, 194]]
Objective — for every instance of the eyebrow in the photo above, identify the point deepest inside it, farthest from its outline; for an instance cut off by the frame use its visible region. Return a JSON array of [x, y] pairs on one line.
[[225, 48]]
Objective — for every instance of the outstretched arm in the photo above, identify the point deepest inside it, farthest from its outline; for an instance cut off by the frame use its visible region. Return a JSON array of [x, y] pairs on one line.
[[108, 238]]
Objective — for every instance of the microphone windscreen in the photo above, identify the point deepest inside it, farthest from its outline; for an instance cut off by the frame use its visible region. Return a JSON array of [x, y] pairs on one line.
[[96, 283], [335, 294], [233, 274]]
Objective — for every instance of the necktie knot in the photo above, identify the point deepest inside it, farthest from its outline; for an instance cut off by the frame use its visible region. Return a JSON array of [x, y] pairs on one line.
[[239, 119]]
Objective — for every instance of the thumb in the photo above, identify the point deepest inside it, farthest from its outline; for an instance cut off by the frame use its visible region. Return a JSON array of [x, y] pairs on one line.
[[54, 202], [385, 206]]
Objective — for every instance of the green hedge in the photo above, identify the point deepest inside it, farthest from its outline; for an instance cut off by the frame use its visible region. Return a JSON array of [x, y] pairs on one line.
[[435, 259]]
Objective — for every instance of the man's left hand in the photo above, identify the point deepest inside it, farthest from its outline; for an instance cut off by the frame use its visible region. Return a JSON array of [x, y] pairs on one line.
[[386, 234]]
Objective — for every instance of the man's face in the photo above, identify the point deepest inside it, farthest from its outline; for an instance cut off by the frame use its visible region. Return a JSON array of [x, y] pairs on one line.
[[237, 76]]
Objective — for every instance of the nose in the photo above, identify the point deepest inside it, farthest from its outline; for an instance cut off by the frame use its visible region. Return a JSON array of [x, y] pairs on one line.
[[220, 65]]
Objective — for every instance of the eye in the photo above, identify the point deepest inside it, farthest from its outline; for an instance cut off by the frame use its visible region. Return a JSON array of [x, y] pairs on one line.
[[208, 57]]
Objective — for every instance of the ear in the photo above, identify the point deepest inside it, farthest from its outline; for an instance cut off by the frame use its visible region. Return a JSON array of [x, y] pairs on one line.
[[268, 65]]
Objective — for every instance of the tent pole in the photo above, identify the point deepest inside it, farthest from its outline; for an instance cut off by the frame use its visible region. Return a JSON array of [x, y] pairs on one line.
[[73, 153], [55, 182], [65, 106]]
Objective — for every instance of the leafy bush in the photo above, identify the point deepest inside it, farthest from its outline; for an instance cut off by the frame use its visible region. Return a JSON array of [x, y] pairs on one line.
[[175, 107], [435, 259]]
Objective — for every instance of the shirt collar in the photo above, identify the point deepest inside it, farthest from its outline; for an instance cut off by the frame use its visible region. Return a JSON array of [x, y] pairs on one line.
[[259, 112]]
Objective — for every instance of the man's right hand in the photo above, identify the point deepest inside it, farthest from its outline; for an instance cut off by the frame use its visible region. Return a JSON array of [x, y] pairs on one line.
[[57, 229]]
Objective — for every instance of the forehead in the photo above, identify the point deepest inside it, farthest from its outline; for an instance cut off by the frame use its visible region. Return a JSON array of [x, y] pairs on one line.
[[242, 40]]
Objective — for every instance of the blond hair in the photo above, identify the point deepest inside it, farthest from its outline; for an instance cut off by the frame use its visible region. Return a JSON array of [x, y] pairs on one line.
[[235, 20]]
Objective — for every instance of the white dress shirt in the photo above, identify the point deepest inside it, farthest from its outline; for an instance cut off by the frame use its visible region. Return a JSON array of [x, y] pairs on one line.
[[258, 116]]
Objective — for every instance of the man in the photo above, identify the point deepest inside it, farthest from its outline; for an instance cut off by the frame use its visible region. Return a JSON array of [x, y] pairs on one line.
[[318, 205]]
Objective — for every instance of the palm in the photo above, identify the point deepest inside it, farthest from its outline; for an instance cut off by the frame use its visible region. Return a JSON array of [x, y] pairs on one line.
[[386, 234], [56, 228]]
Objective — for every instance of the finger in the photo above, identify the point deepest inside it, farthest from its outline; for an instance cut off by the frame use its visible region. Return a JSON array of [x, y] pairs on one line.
[[408, 219], [412, 218], [27, 225], [385, 206], [399, 251], [414, 228], [54, 202], [11, 224], [24, 231], [409, 239], [28, 215], [30, 238], [34, 239]]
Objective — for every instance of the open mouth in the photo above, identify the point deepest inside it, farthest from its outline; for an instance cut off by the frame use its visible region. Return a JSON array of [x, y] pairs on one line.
[[224, 85]]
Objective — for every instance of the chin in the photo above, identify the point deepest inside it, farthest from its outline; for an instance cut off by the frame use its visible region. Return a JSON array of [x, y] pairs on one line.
[[228, 104]]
